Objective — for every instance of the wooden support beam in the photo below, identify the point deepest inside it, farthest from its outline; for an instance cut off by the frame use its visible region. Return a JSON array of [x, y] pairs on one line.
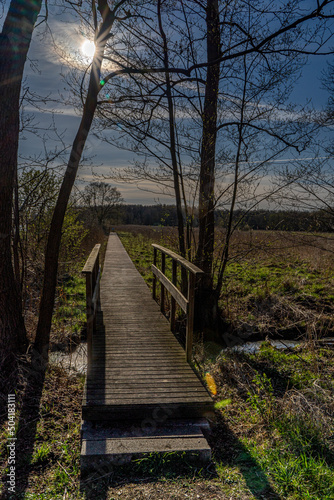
[[162, 291], [92, 271], [187, 304], [190, 316], [181, 300], [173, 301], [154, 277]]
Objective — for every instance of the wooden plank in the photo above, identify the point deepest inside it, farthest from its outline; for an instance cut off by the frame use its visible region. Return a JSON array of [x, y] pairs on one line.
[[125, 400], [142, 366], [118, 385], [147, 355], [181, 300], [145, 414], [172, 359], [154, 288], [123, 388], [164, 351], [144, 374], [139, 392], [130, 373], [190, 316], [124, 446], [137, 365], [162, 288], [139, 340], [96, 292], [173, 302], [184, 262], [90, 262]]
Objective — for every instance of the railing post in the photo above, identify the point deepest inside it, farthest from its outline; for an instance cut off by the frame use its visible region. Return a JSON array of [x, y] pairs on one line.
[[162, 290], [154, 291], [185, 299], [190, 315], [90, 322], [173, 301], [98, 302], [91, 272]]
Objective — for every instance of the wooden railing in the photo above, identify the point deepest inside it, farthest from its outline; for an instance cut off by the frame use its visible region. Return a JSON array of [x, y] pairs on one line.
[[92, 271], [186, 303]]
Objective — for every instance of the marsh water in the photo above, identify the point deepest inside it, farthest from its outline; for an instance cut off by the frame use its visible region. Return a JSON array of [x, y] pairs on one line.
[[76, 362]]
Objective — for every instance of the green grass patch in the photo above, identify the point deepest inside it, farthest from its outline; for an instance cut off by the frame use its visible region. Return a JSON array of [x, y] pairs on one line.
[[281, 416], [70, 310]]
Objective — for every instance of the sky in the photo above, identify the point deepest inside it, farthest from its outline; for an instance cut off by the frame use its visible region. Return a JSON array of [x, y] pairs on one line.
[[43, 75]]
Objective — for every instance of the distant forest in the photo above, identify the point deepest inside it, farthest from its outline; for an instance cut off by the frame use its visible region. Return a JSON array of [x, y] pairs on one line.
[[165, 215]]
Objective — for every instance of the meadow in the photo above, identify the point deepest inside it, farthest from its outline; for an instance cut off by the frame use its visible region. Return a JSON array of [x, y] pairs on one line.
[[272, 433], [277, 284]]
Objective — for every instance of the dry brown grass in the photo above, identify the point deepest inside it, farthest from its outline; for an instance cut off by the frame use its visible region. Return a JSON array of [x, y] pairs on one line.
[[277, 284]]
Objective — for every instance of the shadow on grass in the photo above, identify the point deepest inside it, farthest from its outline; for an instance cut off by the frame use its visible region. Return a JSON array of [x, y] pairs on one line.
[[301, 431], [229, 451], [29, 417]]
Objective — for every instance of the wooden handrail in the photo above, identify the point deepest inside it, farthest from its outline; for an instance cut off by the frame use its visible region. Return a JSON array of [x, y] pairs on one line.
[[180, 260], [92, 271], [186, 303]]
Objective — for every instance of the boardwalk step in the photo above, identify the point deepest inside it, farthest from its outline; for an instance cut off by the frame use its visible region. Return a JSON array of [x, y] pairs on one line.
[[118, 445]]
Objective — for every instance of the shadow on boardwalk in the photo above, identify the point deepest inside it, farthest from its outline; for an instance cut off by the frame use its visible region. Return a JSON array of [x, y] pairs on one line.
[[102, 482]]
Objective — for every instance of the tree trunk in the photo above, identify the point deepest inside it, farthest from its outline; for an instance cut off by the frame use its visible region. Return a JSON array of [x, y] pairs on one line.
[[55, 233], [175, 168], [207, 300], [14, 44], [54, 239]]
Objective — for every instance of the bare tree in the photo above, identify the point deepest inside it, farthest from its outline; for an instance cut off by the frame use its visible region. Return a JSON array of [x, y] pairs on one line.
[[14, 45], [259, 41], [239, 117], [310, 180], [102, 199]]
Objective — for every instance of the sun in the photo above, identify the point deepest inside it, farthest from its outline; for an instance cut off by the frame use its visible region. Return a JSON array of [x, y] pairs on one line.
[[88, 49]]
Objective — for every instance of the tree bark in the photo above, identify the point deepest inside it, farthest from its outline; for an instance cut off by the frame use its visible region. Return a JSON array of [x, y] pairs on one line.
[[15, 40], [204, 257], [175, 168], [207, 301]]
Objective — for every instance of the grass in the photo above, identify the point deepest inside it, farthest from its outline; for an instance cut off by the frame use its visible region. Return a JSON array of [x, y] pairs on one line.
[[276, 284], [48, 439], [272, 435], [281, 409], [70, 311]]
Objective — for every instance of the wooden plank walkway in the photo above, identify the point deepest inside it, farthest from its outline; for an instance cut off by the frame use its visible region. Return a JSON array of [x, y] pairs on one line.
[[138, 367]]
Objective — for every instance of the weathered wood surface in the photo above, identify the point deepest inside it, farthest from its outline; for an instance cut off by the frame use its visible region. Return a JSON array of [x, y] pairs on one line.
[[181, 260], [187, 304], [92, 272], [91, 261], [118, 444], [181, 300], [138, 368]]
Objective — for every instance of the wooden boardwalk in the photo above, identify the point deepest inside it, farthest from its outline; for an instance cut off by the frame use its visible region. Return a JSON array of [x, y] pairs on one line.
[[138, 368]]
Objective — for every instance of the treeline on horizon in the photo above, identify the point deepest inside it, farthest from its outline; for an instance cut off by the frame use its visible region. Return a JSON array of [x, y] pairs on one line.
[[281, 220]]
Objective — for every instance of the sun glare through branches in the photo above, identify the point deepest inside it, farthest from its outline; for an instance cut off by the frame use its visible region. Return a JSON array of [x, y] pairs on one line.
[[88, 49]]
